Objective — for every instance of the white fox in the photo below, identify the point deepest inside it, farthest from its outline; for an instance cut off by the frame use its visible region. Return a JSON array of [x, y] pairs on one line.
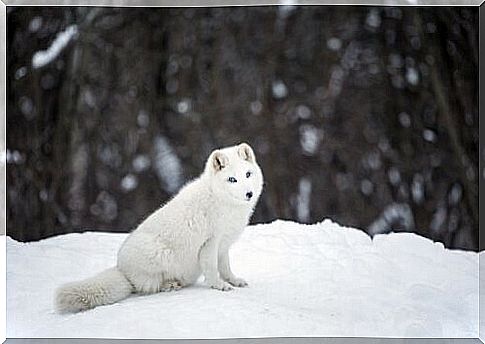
[[187, 237]]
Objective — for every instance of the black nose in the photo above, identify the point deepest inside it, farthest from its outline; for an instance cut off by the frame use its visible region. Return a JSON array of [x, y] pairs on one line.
[[249, 195]]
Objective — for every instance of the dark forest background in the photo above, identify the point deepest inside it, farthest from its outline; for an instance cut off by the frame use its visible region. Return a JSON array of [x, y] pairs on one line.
[[365, 115]]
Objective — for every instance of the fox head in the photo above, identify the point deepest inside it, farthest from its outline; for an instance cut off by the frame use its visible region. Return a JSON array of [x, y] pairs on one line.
[[234, 174]]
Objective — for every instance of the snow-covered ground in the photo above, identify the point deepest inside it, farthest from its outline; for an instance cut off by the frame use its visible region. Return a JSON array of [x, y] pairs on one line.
[[304, 280]]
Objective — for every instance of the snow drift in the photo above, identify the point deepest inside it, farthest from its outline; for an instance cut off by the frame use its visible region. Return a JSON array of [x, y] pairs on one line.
[[304, 280]]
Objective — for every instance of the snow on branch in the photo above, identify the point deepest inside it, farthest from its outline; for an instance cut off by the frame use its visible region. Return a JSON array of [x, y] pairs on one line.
[[44, 57], [167, 165], [394, 215]]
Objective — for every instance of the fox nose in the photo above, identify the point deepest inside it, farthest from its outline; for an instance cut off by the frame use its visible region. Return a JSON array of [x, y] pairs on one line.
[[249, 195]]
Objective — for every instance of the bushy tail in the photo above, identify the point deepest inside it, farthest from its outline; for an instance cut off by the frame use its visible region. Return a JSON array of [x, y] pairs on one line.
[[105, 288]]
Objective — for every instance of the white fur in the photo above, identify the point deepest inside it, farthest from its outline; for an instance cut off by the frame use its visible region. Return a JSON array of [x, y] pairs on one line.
[[187, 237]]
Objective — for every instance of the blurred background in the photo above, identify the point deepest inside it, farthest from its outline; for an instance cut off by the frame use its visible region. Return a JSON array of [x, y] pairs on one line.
[[365, 115]]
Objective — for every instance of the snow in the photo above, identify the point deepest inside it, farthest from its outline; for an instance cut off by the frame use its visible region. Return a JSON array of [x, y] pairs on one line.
[[26, 107], [429, 135], [303, 112], [412, 76], [334, 44], [336, 81], [14, 157], [304, 280], [44, 57], [373, 160], [405, 120], [89, 98], [35, 24], [279, 89], [438, 220], [455, 194], [20, 73], [167, 165], [303, 199], [44, 195], [394, 176], [129, 182], [417, 188], [373, 18], [141, 163], [366, 187], [143, 119], [183, 106], [394, 216], [310, 138]]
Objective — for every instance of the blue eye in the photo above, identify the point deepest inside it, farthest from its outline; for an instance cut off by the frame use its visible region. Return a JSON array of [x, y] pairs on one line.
[[248, 174], [232, 180]]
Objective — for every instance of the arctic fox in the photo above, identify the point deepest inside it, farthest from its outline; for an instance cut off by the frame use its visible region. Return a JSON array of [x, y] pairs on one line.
[[187, 237]]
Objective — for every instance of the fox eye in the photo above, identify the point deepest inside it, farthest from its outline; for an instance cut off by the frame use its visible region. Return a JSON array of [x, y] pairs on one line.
[[232, 180], [248, 174]]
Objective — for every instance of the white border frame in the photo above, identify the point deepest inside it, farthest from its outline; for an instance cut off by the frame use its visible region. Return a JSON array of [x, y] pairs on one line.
[[179, 3]]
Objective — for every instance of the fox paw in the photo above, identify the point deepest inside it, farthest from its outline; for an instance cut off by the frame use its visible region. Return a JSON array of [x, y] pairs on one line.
[[238, 282], [221, 285], [171, 285]]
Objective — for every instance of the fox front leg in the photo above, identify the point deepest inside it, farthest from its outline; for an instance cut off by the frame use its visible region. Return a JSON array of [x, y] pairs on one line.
[[208, 265], [225, 267]]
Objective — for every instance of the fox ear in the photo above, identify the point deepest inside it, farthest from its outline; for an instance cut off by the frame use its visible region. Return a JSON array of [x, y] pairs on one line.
[[218, 160], [246, 152]]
